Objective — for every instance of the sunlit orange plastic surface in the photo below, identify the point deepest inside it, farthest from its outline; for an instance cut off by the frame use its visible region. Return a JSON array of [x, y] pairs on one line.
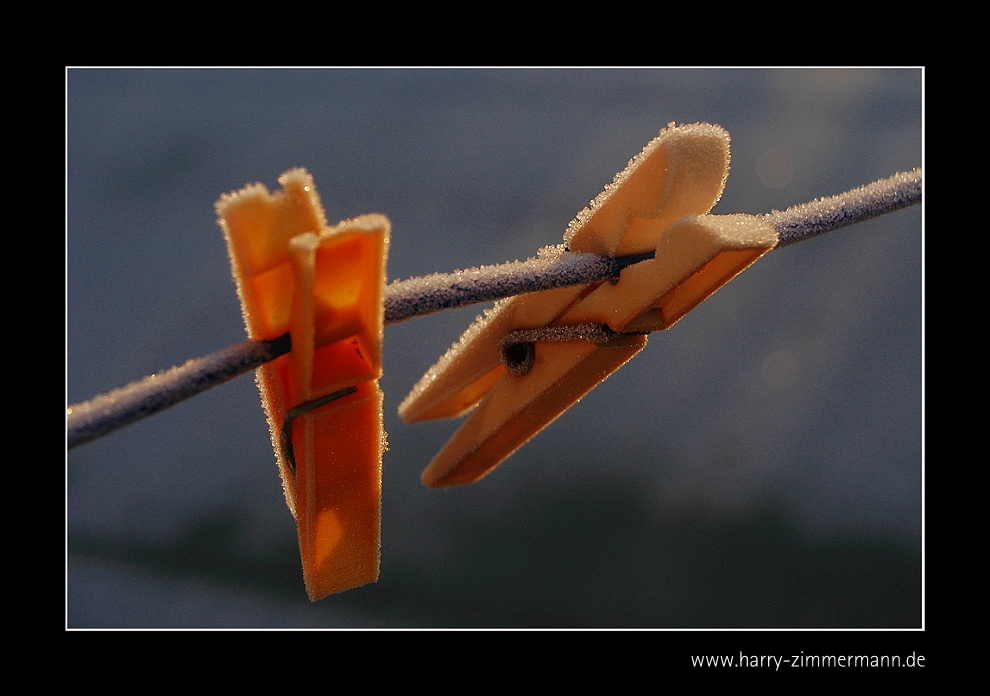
[[518, 407], [323, 285], [680, 172], [659, 202]]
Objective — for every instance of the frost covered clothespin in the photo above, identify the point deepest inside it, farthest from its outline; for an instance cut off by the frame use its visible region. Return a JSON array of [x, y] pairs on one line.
[[324, 286], [533, 356]]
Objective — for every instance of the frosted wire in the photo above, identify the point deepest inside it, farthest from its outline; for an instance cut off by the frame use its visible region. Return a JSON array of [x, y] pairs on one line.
[[801, 222], [406, 299]]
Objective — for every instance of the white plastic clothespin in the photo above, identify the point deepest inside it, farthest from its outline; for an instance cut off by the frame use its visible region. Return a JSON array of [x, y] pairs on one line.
[[533, 356]]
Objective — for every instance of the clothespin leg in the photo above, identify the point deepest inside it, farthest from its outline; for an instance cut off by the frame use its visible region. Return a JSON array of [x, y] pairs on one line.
[[520, 406], [338, 479]]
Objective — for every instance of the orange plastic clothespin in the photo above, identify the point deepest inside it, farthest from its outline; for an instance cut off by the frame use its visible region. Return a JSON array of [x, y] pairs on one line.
[[324, 286], [533, 356]]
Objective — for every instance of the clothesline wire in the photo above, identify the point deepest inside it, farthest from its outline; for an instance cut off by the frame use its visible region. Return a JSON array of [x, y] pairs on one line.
[[420, 296]]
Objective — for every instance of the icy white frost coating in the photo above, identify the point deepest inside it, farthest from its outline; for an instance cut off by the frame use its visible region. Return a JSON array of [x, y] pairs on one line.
[[680, 172], [551, 268], [801, 222]]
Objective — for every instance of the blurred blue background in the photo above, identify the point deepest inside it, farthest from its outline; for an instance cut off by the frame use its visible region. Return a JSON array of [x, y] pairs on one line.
[[759, 464]]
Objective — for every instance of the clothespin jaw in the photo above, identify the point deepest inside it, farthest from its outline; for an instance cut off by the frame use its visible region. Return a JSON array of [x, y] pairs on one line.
[[580, 335], [324, 286]]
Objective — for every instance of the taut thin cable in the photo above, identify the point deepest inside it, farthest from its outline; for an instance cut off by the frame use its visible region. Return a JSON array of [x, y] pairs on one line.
[[415, 297], [801, 222]]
